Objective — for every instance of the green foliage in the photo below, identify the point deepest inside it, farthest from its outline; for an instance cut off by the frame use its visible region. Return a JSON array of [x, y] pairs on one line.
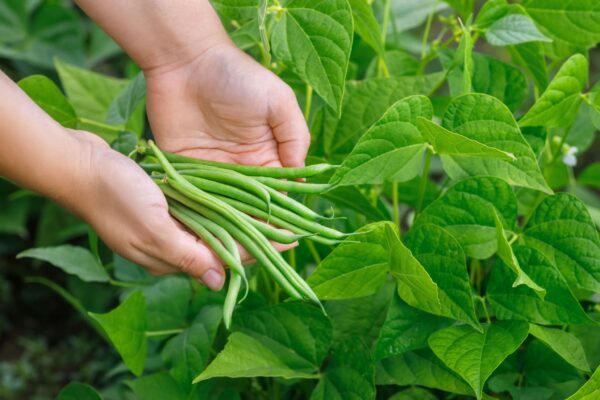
[[78, 391]]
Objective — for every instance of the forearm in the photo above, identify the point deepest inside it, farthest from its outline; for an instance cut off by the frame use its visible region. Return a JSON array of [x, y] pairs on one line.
[[35, 151], [157, 33]]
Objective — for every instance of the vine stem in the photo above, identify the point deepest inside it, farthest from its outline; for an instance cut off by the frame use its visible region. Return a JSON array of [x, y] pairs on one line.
[[308, 103], [115, 282], [427, 31], [313, 251], [395, 204], [164, 333], [101, 125], [386, 21], [423, 182], [485, 310]]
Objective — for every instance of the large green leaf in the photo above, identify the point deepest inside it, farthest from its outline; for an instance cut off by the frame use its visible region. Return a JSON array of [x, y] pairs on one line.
[[158, 386], [240, 10], [365, 24], [463, 7], [126, 328], [415, 286], [391, 150], [559, 305], [406, 329], [48, 96], [490, 76], [167, 303], [574, 21], [530, 56], [467, 210], [564, 344], [475, 355], [420, 368], [514, 29], [487, 120], [349, 374], [562, 229], [78, 391], [452, 144], [357, 267], [314, 38], [360, 317], [559, 103], [187, 354], [121, 109], [589, 391], [542, 367], [414, 393], [508, 258], [91, 95], [444, 259], [366, 101], [73, 260], [287, 340]]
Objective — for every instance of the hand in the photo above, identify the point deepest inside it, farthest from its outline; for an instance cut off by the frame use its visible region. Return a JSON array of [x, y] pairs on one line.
[[129, 212], [224, 106]]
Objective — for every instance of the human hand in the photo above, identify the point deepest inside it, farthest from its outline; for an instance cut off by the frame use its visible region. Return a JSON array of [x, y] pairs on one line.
[[129, 212], [224, 106]]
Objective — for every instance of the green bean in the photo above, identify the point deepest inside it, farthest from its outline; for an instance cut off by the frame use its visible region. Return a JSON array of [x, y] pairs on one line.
[[285, 219], [183, 186], [233, 290], [273, 172], [293, 186], [239, 235], [188, 220], [275, 234]]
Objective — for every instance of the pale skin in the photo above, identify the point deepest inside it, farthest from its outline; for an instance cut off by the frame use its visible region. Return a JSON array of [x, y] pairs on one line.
[[206, 99]]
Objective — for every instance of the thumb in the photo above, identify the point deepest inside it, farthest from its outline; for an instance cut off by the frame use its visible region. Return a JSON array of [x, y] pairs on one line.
[[189, 255]]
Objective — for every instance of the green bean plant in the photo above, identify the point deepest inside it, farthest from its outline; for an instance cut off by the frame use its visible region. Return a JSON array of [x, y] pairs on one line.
[[447, 221]]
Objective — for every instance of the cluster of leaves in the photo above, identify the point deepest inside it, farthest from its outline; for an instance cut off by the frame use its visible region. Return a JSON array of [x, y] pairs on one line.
[[491, 288]]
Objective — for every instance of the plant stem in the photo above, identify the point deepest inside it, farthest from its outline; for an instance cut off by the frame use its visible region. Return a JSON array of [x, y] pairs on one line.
[[485, 310], [293, 262], [427, 31], [423, 183], [395, 204], [308, 103], [116, 282], [164, 333], [313, 251], [386, 21], [98, 124]]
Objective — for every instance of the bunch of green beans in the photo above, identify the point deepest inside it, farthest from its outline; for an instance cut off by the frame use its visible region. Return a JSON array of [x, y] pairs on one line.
[[228, 203]]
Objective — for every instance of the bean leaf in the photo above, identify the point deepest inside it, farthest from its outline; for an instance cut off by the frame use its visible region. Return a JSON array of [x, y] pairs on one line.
[[356, 268], [559, 305], [508, 257], [126, 328], [564, 344], [158, 386], [563, 230], [315, 39], [123, 106], [590, 176], [365, 24], [391, 150], [71, 259], [467, 211], [590, 390], [514, 29], [487, 120], [366, 101], [421, 368], [559, 103], [406, 329], [575, 22], [453, 144], [78, 391], [444, 259], [167, 303], [287, 340], [475, 355], [48, 96], [349, 373]]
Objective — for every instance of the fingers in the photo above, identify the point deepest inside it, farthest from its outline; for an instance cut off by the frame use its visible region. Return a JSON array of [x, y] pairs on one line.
[[181, 251], [289, 130]]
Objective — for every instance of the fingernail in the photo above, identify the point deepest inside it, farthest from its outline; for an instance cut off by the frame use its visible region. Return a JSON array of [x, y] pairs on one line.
[[213, 279]]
